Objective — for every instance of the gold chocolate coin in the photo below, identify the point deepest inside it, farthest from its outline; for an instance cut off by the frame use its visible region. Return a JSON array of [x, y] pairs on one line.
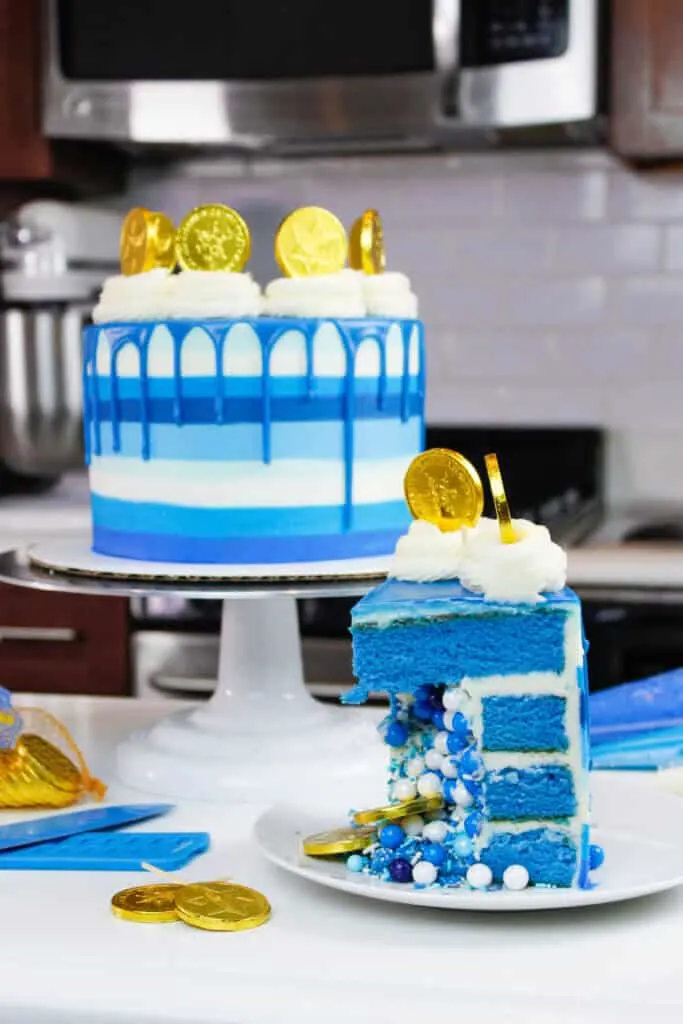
[[339, 840], [366, 244], [48, 763], [221, 906], [396, 812], [147, 241], [213, 237], [310, 241], [444, 488], [147, 904], [500, 501], [162, 241]]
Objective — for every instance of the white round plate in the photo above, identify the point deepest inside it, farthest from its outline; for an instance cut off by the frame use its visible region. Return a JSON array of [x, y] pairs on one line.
[[639, 825], [74, 555]]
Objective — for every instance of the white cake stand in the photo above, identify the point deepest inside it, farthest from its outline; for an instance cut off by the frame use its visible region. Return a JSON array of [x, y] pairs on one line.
[[261, 736]]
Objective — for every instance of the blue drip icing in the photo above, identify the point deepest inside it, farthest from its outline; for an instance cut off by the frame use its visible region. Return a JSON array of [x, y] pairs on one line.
[[268, 333]]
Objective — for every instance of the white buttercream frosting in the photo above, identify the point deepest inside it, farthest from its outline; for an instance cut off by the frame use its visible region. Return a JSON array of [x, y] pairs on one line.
[[337, 295], [389, 294], [203, 294], [501, 572], [133, 297]]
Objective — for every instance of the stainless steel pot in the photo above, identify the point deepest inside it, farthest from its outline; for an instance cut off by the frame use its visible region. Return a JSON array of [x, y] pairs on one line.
[[41, 403]]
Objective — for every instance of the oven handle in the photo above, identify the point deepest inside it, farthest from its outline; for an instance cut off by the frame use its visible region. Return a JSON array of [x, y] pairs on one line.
[[42, 634], [446, 40]]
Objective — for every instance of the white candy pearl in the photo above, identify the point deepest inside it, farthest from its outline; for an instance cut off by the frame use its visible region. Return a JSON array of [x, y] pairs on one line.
[[516, 877], [462, 796], [435, 831], [449, 768], [428, 784], [448, 719], [413, 825], [441, 742], [479, 876], [404, 789], [424, 873], [415, 766], [433, 760], [452, 699]]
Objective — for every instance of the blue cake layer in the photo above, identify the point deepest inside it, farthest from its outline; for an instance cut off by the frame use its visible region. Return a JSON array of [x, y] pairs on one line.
[[549, 856], [522, 793], [527, 722], [457, 633]]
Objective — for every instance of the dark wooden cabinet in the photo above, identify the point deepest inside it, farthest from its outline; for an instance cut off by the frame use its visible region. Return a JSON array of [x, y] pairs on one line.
[[27, 158], [63, 643], [646, 94]]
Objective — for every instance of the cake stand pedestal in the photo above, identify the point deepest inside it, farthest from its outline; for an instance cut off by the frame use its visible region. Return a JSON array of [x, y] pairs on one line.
[[261, 735]]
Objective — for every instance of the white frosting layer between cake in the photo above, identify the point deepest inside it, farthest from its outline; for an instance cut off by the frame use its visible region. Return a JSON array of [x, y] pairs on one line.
[[504, 572]]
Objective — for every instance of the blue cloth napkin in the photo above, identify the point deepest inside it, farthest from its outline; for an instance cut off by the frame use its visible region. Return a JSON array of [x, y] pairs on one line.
[[638, 725]]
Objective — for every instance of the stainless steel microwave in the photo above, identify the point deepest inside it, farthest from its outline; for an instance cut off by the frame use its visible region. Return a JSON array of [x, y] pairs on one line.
[[287, 74]]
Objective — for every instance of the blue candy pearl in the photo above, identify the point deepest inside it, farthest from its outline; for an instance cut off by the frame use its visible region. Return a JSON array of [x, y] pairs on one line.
[[380, 860], [355, 862], [455, 743], [462, 845], [396, 734], [434, 853], [459, 726], [400, 870], [471, 785], [473, 823], [596, 856], [437, 721], [469, 763], [449, 790], [391, 836], [423, 711]]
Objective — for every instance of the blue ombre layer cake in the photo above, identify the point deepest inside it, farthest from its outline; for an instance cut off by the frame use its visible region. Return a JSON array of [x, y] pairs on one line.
[[488, 712], [256, 440]]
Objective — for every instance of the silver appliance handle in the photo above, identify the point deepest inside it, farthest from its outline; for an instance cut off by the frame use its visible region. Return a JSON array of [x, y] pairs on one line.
[[446, 39], [43, 635]]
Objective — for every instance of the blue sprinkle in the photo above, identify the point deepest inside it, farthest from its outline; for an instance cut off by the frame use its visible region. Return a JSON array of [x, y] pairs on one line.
[[434, 853], [437, 720], [596, 856], [380, 860], [462, 845], [473, 823], [391, 836], [455, 743], [423, 710], [471, 785], [470, 763], [396, 734], [400, 870], [355, 862]]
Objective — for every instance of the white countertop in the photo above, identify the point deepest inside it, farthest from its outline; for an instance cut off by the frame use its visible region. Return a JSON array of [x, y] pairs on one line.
[[323, 957], [65, 511]]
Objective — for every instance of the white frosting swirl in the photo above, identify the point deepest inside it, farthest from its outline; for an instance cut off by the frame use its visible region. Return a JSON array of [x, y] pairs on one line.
[[212, 293], [501, 572], [338, 295], [133, 297], [389, 294]]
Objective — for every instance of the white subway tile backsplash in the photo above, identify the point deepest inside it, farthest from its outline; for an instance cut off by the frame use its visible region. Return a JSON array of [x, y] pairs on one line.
[[673, 248], [514, 303], [646, 300], [606, 248], [657, 196], [532, 198], [502, 403], [474, 252]]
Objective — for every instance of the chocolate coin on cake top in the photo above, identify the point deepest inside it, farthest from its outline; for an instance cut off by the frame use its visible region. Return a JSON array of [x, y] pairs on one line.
[[311, 242], [366, 244], [213, 237], [444, 488]]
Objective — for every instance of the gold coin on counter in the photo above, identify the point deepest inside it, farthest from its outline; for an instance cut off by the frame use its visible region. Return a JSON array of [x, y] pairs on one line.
[[48, 763], [147, 904], [396, 812], [213, 237], [338, 840], [221, 906], [366, 244], [500, 501], [309, 242], [147, 241], [444, 488]]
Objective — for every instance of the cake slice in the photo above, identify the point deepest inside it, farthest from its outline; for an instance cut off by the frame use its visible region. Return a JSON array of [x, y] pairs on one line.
[[488, 710]]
